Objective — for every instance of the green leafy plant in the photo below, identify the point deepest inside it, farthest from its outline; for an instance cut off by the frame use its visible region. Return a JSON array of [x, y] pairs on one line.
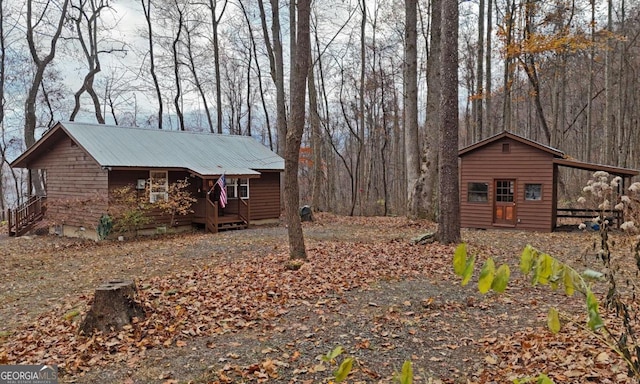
[[129, 209], [179, 200], [541, 379], [343, 370], [490, 278], [105, 225], [405, 376]]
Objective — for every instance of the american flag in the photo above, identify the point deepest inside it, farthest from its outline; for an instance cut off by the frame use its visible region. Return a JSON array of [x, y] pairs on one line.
[[223, 191]]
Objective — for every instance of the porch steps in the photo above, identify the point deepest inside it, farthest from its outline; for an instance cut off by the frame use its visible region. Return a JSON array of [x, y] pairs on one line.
[[22, 219]]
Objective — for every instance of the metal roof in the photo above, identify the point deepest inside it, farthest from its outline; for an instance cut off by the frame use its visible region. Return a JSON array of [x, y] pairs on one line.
[[206, 154], [554, 151]]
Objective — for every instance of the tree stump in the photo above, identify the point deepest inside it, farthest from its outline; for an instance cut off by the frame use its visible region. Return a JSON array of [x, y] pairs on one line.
[[113, 307]]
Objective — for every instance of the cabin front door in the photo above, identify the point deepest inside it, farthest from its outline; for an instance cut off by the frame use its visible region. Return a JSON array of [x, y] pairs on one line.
[[504, 203]]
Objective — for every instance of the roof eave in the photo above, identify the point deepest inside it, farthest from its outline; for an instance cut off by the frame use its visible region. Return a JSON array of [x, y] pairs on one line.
[[618, 171], [555, 152]]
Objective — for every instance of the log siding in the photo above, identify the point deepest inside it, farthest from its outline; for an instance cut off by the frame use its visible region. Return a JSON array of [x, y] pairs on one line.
[[76, 185]]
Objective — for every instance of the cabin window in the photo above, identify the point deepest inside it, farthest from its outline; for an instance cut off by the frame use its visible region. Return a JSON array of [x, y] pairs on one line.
[[159, 186], [533, 192], [478, 192], [505, 148], [237, 187], [504, 191]]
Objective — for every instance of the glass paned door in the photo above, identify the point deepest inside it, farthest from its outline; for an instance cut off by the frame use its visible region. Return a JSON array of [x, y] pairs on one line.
[[504, 204]]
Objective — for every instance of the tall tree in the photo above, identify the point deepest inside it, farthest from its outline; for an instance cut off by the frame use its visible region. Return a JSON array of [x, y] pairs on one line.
[[294, 132], [411, 138], [276, 65], [215, 23], [430, 144], [488, 89], [146, 8], [479, 96], [177, 62], [609, 120], [191, 25], [448, 191], [359, 173], [86, 17], [35, 20]]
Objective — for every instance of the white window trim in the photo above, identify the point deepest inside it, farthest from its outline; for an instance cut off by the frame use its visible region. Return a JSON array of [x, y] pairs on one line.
[[154, 195], [232, 183]]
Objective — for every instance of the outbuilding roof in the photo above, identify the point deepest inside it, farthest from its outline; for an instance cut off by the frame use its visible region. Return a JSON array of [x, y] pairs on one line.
[[559, 157], [205, 154]]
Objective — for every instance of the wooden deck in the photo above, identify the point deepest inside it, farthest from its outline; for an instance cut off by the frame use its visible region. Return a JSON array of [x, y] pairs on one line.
[[207, 213], [24, 217]]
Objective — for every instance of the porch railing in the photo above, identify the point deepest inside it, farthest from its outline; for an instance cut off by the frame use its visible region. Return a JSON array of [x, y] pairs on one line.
[[244, 211], [22, 219], [211, 216]]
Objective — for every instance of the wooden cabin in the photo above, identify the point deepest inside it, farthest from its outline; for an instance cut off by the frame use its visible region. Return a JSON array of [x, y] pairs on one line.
[[84, 163], [508, 181]]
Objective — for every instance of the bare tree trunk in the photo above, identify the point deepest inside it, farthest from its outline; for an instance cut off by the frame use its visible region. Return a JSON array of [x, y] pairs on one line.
[[294, 133], [30, 118], [590, 84], [477, 101], [176, 67], [359, 174], [196, 79], [508, 68], [608, 92], [530, 67], [215, 21], [491, 129], [146, 7], [411, 138], [276, 65], [316, 145], [449, 218], [430, 145], [259, 76], [89, 44]]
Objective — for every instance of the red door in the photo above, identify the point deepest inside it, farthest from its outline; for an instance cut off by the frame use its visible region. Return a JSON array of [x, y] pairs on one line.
[[504, 204]]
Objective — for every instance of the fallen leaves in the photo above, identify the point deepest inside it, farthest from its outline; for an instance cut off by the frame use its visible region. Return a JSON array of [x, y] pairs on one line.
[[195, 286]]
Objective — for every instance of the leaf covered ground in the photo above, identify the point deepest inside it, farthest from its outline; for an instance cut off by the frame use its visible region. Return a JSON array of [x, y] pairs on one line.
[[224, 309]]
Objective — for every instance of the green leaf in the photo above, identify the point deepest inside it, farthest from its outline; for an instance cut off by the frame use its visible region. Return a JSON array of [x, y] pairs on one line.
[[553, 320], [406, 376], [590, 274], [526, 260], [468, 270], [501, 279], [595, 321], [486, 276], [343, 371], [71, 315], [569, 287], [337, 351], [557, 269], [592, 301], [543, 270], [460, 259], [544, 379]]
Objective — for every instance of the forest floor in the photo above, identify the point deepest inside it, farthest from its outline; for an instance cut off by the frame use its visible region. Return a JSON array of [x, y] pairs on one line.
[[224, 309]]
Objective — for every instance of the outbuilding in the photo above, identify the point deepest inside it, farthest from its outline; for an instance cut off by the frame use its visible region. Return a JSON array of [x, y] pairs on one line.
[[508, 181], [82, 164]]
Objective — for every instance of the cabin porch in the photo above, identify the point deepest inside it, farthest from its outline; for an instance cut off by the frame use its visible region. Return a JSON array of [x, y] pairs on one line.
[[235, 215]]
